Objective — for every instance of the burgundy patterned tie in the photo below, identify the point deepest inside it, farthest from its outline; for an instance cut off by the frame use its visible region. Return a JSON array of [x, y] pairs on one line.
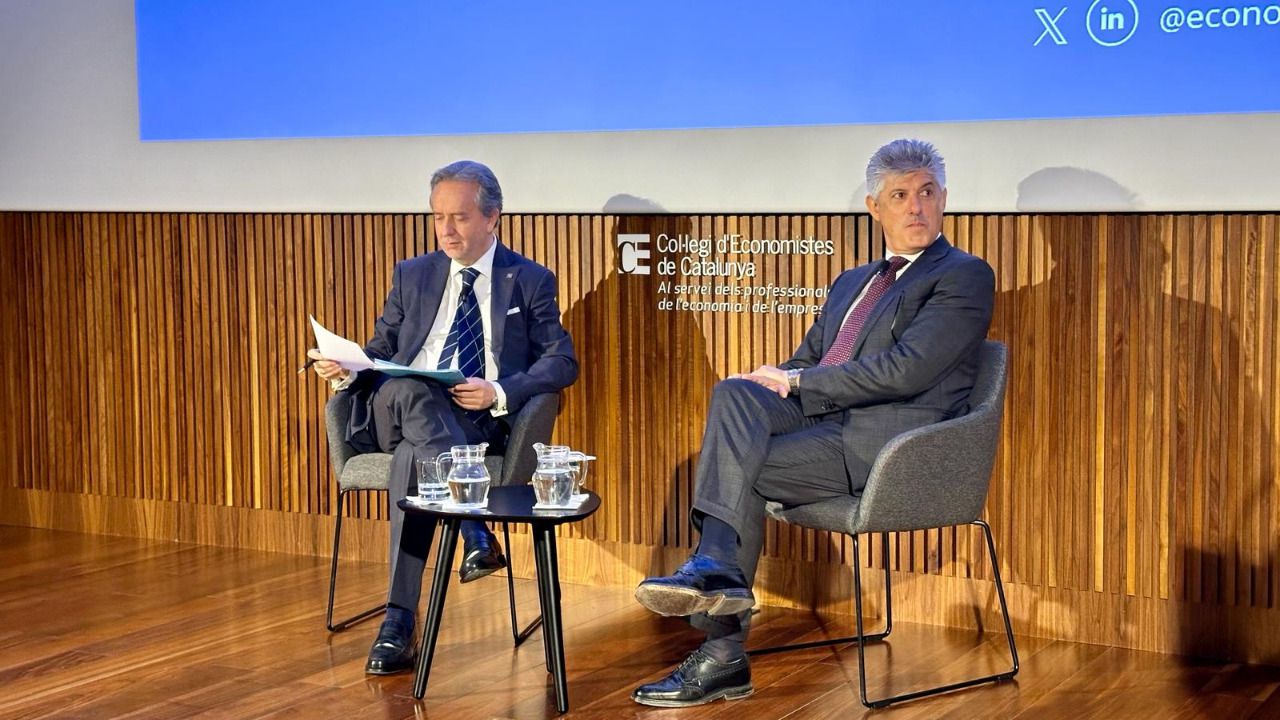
[[842, 348]]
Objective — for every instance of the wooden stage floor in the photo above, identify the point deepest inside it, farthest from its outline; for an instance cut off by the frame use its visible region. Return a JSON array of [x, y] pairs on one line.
[[106, 627]]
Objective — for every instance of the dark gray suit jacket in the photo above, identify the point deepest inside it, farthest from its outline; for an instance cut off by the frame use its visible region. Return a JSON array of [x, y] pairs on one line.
[[533, 350], [915, 360]]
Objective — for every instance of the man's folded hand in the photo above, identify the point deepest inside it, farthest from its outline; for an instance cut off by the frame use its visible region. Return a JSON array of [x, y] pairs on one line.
[[769, 376], [474, 394]]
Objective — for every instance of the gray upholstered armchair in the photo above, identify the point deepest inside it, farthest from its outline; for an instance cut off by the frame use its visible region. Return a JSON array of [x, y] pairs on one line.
[[931, 477], [368, 472]]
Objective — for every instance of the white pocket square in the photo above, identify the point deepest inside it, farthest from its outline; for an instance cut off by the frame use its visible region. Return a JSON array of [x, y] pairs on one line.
[[513, 311]]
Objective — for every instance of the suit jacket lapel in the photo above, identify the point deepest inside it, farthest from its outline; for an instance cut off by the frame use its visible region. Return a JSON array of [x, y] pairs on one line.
[[916, 270], [431, 294], [500, 288]]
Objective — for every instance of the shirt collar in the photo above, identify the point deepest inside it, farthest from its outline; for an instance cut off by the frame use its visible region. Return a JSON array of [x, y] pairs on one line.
[[484, 265], [909, 258]]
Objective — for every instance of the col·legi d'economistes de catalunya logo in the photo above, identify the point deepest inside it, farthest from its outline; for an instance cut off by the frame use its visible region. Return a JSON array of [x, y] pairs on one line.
[[633, 254]]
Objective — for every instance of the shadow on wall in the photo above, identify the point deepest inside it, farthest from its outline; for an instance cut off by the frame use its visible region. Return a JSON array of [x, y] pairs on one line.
[[1188, 444], [1068, 189], [643, 376], [858, 199]]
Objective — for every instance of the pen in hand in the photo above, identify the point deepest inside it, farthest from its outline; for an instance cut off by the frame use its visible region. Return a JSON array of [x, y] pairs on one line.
[[309, 363]]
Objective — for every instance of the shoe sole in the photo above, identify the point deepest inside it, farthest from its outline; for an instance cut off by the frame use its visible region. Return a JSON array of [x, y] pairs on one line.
[[682, 602], [729, 694], [396, 671], [476, 575]]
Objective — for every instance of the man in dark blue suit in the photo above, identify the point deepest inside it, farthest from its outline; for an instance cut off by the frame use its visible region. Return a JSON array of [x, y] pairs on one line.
[[895, 348], [473, 305]]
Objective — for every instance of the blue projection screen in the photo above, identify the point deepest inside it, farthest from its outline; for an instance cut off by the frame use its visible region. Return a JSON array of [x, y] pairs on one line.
[[322, 68]]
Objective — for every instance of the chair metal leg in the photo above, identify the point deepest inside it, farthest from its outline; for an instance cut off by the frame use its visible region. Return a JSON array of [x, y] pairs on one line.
[[888, 610], [517, 636], [333, 581], [1008, 627], [1004, 607]]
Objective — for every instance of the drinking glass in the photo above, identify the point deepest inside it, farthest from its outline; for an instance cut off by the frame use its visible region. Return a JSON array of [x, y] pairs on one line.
[[431, 484]]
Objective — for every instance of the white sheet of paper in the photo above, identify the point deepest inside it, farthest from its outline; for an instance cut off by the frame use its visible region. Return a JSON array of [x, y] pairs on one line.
[[351, 356], [339, 349]]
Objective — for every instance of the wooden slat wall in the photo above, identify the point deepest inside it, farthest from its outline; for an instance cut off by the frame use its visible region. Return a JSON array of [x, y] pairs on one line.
[[151, 362]]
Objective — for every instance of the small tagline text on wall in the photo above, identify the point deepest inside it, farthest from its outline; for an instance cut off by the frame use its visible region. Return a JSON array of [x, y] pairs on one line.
[[761, 299]]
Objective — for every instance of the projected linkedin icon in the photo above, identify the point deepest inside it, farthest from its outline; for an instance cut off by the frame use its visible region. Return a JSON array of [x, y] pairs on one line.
[[1112, 22], [633, 254]]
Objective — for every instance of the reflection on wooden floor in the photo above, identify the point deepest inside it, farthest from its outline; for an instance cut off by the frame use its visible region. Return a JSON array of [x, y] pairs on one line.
[[103, 627]]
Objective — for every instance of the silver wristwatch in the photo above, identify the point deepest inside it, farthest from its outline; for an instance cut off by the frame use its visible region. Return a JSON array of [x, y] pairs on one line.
[[793, 379]]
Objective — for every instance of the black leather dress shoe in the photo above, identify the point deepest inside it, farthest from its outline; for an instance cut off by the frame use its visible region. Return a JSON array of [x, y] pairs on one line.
[[702, 584], [392, 652], [699, 679], [481, 557]]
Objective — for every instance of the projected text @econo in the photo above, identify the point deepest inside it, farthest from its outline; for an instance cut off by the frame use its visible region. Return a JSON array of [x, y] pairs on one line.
[[1176, 18]]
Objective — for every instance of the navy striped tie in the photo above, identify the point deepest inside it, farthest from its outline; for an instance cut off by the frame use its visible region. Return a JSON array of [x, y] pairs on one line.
[[466, 336]]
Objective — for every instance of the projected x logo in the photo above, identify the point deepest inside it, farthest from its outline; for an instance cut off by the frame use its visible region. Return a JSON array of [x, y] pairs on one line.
[[1050, 27]]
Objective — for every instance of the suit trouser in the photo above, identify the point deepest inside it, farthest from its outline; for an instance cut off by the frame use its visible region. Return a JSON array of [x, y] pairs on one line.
[[417, 419], [759, 446]]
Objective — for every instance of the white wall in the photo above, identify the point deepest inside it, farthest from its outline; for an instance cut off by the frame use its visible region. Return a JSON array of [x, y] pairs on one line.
[[69, 141]]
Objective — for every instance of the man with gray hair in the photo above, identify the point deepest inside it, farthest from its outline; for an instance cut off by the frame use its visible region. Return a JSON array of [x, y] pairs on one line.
[[895, 348], [474, 306]]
